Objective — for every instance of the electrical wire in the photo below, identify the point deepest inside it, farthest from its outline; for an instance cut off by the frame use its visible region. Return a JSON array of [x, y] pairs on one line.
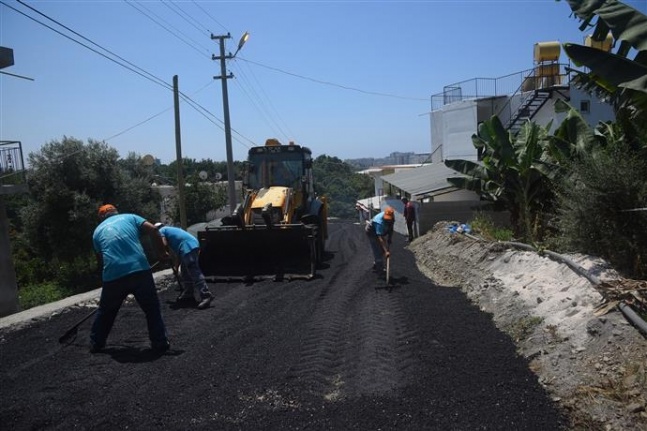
[[185, 16], [157, 21], [209, 15], [332, 84], [151, 77], [255, 98], [256, 102]]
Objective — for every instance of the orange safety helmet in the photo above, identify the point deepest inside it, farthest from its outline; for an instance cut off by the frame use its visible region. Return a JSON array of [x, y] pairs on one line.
[[389, 214]]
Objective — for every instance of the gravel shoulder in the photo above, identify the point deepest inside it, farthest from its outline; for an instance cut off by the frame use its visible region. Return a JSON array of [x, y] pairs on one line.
[[592, 363]]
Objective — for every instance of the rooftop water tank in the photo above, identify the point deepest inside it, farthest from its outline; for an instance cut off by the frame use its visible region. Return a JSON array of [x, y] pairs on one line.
[[604, 45], [547, 51]]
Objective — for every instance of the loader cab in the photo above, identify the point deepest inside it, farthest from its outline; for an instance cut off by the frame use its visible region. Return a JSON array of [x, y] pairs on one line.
[[283, 165]]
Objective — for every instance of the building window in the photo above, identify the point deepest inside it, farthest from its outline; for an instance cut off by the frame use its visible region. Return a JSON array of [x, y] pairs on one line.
[[585, 106]]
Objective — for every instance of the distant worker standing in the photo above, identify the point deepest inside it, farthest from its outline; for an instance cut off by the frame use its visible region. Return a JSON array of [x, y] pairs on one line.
[[186, 249], [409, 216], [380, 233], [125, 270]]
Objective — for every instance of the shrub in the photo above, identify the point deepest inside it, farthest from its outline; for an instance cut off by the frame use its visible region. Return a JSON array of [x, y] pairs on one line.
[[597, 209], [37, 294]]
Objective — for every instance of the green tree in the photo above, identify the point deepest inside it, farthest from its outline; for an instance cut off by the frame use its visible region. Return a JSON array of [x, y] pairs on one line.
[[341, 185], [604, 182], [200, 199], [192, 167], [68, 180], [599, 208]]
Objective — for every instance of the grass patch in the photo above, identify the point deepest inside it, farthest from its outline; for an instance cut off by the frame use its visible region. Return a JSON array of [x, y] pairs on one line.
[[38, 294], [483, 225]]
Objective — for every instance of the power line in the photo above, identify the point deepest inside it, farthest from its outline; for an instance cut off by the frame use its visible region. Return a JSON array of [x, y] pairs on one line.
[[200, 109], [318, 81], [267, 98], [209, 15], [185, 16], [260, 107], [154, 79], [157, 21]]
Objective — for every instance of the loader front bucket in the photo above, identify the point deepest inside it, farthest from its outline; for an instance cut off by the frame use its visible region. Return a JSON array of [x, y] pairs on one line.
[[280, 252]]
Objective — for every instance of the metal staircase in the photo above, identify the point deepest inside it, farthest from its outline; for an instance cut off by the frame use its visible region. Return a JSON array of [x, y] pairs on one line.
[[530, 106]]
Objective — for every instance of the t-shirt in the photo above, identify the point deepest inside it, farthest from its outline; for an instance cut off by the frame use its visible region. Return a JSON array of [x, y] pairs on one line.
[[117, 239], [179, 240], [380, 226]]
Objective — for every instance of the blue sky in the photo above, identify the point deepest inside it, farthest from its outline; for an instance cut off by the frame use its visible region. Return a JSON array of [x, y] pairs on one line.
[[348, 79]]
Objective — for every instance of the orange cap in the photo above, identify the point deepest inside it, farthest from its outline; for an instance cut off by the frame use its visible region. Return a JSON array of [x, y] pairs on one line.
[[389, 213], [105, 209]]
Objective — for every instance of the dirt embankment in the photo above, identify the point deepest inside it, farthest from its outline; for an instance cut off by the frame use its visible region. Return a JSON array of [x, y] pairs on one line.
[[592, 363]]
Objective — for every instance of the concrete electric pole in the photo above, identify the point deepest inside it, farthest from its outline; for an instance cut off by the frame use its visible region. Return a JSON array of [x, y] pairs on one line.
[[225, 104]]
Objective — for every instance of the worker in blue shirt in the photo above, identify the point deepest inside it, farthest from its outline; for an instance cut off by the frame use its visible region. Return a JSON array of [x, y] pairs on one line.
[[125, 270], [380, 232], [186, 249]]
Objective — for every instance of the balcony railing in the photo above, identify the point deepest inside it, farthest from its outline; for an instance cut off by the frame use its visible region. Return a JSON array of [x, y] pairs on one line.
[[508, 85], [13, 175]]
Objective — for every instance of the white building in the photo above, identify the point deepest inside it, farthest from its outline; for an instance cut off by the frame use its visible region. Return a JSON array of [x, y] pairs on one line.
[[455, 115]]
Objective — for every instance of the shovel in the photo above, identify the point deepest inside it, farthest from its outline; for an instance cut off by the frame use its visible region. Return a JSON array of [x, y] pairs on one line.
[[180, 285], [70, 335], [388, 269]]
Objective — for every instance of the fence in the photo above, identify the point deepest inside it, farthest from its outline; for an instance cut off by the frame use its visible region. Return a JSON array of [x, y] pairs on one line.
[[508, 85], [13, 175]]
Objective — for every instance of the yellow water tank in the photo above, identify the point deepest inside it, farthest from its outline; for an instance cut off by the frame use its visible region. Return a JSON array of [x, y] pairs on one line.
[[604, 45], [547, 51], [547, 70]]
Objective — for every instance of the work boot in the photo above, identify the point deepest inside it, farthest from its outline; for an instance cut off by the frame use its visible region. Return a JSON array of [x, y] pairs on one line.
[[161, 348], [95, 348], [206, 301], [185, 299]]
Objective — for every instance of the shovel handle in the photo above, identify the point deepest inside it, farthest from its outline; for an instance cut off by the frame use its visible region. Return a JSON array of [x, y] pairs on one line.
[[74, 329]]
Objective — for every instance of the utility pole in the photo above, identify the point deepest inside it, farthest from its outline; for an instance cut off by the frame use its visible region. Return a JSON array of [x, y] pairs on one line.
[[178, 152], [225, 106]]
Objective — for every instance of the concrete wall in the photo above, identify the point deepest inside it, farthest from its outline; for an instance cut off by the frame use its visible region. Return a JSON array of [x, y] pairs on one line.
[[599, 111], [458, 211]]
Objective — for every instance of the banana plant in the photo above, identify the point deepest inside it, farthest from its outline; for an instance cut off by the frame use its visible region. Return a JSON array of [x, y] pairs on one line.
[[612, 75], [510, 174]]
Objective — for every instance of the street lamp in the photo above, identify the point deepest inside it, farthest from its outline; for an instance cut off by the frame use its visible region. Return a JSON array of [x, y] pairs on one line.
[[241, 42], [225, 103]]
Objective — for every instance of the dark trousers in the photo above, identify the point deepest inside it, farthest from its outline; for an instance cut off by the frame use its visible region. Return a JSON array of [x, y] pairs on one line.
[[410, 229], [192, 277], [142, 285]]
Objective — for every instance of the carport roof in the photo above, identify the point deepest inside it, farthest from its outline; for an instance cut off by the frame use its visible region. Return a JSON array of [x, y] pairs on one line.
[[423, 180]]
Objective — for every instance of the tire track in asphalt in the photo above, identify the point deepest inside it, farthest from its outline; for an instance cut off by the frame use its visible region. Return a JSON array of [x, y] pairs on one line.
[[382, 344], [359, 340], [321, 352]]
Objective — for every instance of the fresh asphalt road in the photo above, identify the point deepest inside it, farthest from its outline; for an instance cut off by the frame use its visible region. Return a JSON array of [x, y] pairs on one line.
[[345, 351]]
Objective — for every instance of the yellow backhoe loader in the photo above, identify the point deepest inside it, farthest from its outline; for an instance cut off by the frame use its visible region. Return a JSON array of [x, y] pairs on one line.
[[279, 229]]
